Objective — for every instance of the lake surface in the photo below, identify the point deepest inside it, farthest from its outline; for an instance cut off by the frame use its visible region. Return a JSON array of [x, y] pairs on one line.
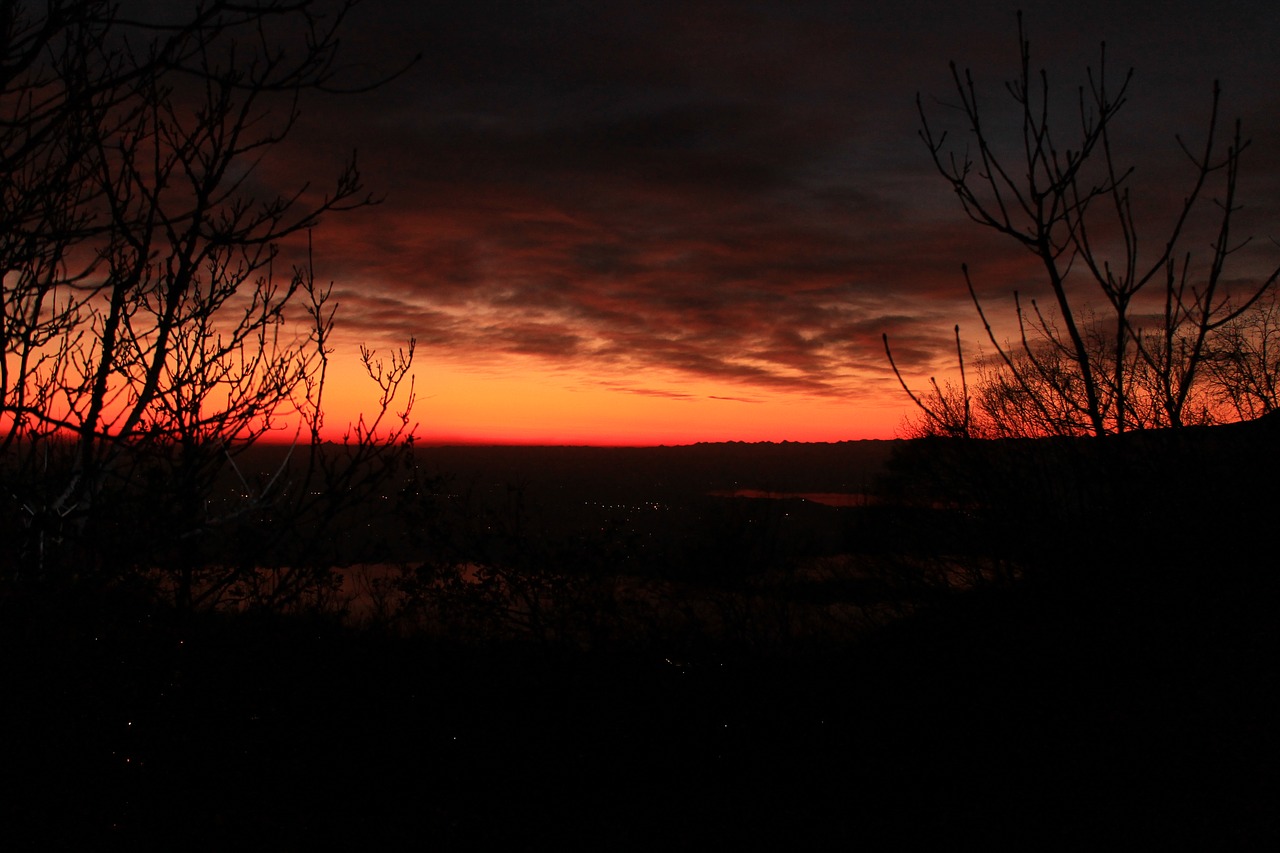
[[838, 499]]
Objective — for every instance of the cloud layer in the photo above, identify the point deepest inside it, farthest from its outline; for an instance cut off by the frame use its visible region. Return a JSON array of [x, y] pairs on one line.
[[728, 192]]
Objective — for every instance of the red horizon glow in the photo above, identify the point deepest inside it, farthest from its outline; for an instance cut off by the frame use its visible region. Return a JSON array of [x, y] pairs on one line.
[[459, 404]]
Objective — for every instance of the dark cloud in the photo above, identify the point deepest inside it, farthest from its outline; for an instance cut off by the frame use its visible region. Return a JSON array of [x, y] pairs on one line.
[[651, 392], [730, 190]]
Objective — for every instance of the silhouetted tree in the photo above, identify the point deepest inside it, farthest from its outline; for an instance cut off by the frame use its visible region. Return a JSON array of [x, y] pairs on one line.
[[1245, 360], [1139, 344], [149, 336], [1130, 337]]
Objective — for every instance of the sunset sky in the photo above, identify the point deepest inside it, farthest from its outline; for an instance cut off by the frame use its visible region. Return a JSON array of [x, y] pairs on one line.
[[668, 222]]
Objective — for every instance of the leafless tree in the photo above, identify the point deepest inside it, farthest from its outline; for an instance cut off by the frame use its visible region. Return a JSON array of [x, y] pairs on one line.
[[1127, 339], [153, 324], [1245, 360]]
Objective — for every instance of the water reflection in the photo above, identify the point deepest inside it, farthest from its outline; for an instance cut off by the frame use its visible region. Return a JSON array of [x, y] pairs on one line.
[[825, 498]]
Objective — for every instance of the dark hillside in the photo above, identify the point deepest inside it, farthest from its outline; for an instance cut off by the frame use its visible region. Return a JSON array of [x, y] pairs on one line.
[[1130, 703]]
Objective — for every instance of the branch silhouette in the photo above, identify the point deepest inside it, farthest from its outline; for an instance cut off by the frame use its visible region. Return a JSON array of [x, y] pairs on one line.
[[156, 321], [1093, 363]]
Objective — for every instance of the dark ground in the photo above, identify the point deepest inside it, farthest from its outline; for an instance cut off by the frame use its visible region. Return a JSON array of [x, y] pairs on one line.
[[1032, 716]]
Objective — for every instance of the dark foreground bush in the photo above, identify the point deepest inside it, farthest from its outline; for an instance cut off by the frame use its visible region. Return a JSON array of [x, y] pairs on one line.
[[1008, 717]]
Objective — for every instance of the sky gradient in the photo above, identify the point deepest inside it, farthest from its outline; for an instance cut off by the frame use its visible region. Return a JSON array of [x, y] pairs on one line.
[[668, 222]]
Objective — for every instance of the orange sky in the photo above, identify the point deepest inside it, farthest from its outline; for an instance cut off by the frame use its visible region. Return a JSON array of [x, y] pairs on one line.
[[524, 403], [693, 221], [678, 220]]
